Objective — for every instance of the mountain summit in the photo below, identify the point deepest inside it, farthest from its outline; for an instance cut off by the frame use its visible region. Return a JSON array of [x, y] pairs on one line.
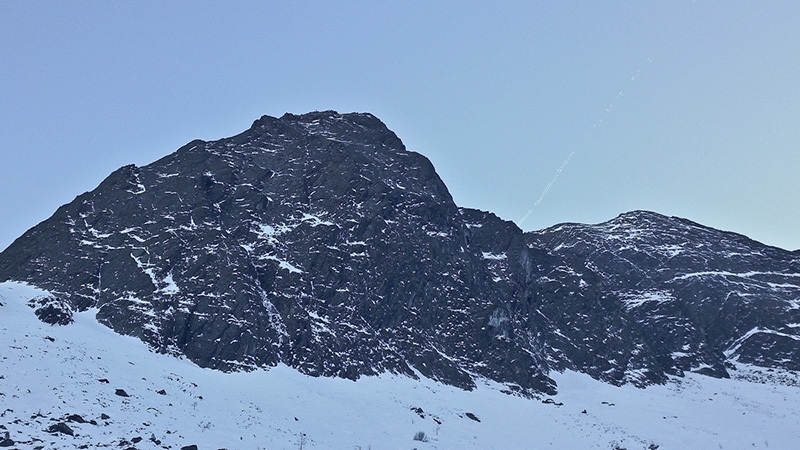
[[319, 241]]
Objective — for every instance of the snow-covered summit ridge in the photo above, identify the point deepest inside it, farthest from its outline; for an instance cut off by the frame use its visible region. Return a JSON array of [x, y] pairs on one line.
[[699, 289], [643, 226]]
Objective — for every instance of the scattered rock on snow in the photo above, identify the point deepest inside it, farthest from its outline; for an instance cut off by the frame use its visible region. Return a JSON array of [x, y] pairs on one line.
[[6, 440], [75, 418], [60, 427]]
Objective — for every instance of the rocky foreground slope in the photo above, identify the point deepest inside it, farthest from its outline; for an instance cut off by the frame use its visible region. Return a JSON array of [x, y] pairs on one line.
[[320, 242]]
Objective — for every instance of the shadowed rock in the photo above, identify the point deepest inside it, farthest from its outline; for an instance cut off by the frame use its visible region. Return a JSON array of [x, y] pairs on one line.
[[320, 242]]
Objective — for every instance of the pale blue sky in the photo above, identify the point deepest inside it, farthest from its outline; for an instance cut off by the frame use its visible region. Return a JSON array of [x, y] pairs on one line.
[[496, 94]]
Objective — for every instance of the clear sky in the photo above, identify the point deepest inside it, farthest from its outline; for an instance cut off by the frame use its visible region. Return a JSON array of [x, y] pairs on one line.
[[687, 108]]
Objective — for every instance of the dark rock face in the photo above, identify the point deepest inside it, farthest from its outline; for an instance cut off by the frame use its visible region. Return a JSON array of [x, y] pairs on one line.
[[318, 241], [645, 296], [649, 296], [52, 310]]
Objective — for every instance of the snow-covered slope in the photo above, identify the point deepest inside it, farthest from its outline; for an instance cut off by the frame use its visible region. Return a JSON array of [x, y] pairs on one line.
[[52, 374]]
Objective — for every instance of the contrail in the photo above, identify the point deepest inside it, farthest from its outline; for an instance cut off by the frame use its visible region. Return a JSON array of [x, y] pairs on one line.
[[544, 192], [586, 137], [608, 110]]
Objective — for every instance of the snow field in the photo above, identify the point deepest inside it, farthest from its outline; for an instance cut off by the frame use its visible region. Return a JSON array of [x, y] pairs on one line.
[[50, 372]]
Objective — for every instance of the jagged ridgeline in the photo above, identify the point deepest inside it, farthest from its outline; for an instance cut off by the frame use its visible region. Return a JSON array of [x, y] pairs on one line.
[[320, 242]]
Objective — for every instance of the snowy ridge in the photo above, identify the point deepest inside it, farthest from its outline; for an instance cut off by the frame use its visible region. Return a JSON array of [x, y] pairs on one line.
[[683, 295], [54, 377]]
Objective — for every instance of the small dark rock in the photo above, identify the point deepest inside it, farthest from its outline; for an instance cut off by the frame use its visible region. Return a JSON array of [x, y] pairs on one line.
[[161, 392], [189, 447], [121, 393], [472, 416], [51, 339], [75, 418], [136, 440], [6, 442], [103, 380], [60, 427], [104, 416]]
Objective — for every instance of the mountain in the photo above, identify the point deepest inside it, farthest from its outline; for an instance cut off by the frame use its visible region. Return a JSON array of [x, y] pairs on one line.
[[83, 386], [319, 242], [651, 296]]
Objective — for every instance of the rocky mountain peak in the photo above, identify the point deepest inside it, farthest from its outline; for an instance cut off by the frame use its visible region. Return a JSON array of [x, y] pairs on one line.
[[319, 241]]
